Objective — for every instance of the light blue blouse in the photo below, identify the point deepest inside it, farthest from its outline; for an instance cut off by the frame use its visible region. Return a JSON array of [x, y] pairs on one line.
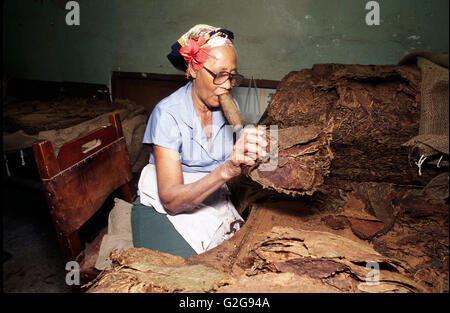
[[174, 124]]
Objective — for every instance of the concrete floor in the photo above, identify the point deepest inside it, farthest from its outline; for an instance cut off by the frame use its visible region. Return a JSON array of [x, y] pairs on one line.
[[35, 263]]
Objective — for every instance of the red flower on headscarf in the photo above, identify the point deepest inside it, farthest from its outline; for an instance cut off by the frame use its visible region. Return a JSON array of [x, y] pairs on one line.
[[195, 52]]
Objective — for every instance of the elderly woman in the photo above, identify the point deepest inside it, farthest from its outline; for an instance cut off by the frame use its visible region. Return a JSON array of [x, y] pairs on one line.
[[184, 201]]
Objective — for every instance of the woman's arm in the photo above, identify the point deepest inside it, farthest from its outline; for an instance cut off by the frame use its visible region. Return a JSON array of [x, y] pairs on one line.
[[177, 197]]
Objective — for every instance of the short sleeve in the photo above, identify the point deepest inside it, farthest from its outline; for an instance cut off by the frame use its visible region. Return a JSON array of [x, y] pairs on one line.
[[163, 130]]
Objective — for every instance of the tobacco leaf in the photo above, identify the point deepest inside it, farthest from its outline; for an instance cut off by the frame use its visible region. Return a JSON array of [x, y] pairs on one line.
[[329, 259]]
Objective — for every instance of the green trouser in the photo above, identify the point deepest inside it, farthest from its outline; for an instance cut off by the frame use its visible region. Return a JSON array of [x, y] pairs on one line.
[[154, 231]]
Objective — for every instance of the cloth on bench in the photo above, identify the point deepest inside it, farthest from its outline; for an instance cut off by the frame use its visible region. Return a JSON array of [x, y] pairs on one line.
[[119, 236]]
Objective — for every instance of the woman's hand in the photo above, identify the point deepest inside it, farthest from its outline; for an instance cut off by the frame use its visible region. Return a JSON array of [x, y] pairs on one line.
[[249, 146], [177, 197]]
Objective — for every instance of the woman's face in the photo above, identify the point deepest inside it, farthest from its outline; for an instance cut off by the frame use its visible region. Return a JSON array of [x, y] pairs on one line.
[[220, 59]]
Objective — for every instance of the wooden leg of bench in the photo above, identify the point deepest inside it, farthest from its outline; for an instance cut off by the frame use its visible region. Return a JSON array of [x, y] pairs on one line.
[[128, 193], [70, 245]]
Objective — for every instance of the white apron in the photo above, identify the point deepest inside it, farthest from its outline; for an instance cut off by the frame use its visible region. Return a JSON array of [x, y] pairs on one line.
[[213, 221]]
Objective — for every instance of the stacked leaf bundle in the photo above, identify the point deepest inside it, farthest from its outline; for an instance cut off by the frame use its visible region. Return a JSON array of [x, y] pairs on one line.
[[300, 158], [367, 112]]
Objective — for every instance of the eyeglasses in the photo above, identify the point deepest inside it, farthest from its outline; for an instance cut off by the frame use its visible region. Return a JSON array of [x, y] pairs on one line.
[[222, 77]]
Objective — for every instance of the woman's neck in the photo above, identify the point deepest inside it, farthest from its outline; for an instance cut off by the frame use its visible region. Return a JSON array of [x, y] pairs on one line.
[[205, 115], [200, 107]]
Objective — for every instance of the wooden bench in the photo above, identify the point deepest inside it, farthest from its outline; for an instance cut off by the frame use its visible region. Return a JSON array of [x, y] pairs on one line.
[[77, 182]]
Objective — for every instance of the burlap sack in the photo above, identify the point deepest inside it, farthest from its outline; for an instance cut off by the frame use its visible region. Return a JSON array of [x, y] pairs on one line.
[[119, 236], [432, 142], [434, 109]]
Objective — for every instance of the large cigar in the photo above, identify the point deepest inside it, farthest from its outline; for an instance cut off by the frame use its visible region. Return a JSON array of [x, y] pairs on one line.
[[231, 111], [233, 116]]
